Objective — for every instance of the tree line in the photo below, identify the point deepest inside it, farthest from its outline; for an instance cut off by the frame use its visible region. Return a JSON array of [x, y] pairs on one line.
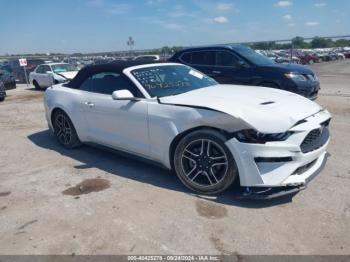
[[300, 42]]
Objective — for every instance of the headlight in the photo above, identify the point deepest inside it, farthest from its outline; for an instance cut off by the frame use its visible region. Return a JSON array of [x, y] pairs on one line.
[[296, 76], [252, 136]]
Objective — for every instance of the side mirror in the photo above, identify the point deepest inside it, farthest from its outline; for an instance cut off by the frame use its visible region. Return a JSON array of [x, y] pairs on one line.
[[122, 95], [242, 64]]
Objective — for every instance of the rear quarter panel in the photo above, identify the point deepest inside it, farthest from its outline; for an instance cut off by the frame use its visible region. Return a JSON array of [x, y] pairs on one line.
[[70, 101]]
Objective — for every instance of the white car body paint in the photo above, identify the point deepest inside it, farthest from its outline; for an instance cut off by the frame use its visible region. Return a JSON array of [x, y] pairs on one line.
[[246, 103], [68, 75], [148, 127]]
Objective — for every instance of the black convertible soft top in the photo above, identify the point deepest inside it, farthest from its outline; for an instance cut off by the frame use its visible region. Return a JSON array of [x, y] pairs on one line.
[[116, 67]]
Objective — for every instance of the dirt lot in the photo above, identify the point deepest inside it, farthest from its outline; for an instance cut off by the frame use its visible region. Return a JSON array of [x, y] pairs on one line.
[[88, 201]]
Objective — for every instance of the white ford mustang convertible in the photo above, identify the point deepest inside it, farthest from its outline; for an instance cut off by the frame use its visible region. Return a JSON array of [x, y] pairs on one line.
[[209, 134]]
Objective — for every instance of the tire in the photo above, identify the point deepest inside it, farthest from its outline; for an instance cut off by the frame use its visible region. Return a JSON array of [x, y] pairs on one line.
[[268, 84], [2, 99], [203, 171], [36, 85], [64, 130], [311, 62]]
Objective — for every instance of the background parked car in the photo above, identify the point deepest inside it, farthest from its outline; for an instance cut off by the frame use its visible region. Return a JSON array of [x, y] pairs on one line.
[[7, 77], [346, 53], [8, 80], [18, 71], [237, 64], [146, 58], [333, 56], [307, 58], [46, 75], [340, 55], [285, 57], [2, 91]]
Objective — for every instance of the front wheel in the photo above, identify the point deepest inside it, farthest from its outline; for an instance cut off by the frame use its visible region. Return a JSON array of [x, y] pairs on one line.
[[36, 85], [203, 162]]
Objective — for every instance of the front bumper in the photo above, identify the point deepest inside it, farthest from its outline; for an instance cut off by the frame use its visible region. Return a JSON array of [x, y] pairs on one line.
[[280, 164], [10, 85], [265, 193], [309, 89]]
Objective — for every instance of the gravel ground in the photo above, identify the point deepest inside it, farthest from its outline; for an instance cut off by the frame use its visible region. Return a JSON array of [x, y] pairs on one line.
[[89, 201]]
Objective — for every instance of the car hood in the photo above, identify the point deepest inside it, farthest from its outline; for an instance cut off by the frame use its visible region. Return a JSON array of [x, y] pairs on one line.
[[265, 109], [291, 68], [68, 75]]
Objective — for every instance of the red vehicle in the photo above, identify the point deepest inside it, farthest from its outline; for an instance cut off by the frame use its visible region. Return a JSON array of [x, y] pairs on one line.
[[346, 53], [307, 58]]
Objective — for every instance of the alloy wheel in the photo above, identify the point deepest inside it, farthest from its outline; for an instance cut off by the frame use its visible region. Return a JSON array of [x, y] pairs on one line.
[[63, 129], [204, 162]]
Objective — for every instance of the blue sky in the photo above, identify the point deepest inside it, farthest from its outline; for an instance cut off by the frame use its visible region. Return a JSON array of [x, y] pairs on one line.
[[105, 25]]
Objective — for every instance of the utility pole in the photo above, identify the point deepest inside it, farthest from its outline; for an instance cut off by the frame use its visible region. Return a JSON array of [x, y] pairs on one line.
[[130, 43]]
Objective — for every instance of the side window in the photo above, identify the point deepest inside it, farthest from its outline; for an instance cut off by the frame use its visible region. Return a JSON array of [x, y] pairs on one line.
[[86, 85], [108, 82], [45, 68], [203, 58], [39, 70], [224, 58], [186, 57]]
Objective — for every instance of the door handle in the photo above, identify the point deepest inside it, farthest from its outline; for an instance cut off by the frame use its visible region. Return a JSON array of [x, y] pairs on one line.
[[217, 72], [89, 104]]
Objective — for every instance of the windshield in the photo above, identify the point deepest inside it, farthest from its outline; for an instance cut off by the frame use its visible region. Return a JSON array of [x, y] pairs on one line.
[[253, 56], [61, 68], [6, 68], [171, 79]]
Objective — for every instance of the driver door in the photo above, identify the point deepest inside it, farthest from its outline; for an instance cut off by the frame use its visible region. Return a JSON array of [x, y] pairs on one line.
[[39, 74], [47, 76], [120, 124]]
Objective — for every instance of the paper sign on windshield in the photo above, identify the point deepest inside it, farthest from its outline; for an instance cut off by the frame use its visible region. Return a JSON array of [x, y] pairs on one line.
[[196, 74]]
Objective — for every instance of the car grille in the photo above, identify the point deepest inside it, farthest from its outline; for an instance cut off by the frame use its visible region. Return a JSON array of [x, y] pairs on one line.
[[316, 138], [304, 168]]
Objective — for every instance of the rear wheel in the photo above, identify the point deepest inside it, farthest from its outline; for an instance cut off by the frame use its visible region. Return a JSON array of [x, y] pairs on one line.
[[203, 162], [64, 130], [2, 99]]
